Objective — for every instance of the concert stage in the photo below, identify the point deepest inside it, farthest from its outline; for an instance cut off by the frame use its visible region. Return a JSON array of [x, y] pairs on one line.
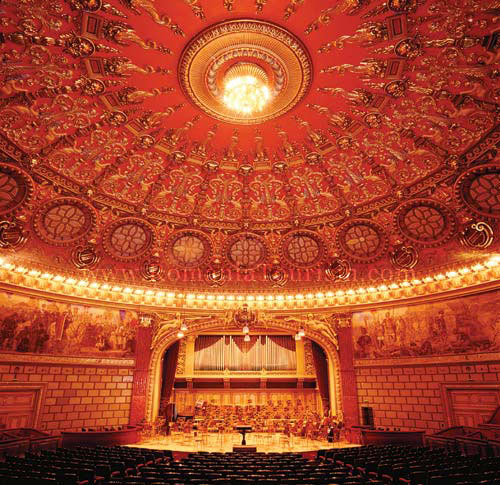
[[224, 442]]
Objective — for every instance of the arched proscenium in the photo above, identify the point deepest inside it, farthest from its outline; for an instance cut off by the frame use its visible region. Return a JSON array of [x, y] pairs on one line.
[[155, 365]]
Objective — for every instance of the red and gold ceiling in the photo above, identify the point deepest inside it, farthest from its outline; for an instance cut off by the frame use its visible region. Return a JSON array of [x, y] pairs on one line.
[[376, 153]]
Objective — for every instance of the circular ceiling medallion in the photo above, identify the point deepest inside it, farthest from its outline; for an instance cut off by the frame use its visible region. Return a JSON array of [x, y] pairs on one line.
[[245, 251], [479, 189], [64, 221], [188, 248], [362, 240], [128, 239], [215, 64], [425, 222], [16, 187], [302, 248]]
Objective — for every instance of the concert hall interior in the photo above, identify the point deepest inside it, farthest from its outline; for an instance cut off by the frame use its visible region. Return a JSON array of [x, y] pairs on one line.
[[249, 226]]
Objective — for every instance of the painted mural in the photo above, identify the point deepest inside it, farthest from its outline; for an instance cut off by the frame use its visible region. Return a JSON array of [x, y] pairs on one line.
[[463, 325], [41, 326]]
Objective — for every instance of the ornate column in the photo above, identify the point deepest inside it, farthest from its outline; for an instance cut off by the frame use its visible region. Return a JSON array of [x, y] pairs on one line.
[[189, 368], [300, 356], [142, 358], [347, 374]]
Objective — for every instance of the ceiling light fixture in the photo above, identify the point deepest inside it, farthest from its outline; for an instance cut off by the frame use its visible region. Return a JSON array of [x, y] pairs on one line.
[[246, 88], [248, 318]]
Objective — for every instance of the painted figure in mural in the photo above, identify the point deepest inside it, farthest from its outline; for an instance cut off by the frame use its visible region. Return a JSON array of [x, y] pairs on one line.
[[390, 330], [440, 324], [364, 342]]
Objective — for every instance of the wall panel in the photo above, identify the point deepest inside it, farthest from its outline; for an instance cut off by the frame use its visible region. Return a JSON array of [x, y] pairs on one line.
[[72, 394], [430, 395]]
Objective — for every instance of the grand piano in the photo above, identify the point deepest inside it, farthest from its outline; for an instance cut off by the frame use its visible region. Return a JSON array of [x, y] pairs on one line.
[[483, 440]]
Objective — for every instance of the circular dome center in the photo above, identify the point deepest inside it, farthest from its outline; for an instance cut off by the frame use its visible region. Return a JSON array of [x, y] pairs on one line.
[[245, 71], [246, 88]]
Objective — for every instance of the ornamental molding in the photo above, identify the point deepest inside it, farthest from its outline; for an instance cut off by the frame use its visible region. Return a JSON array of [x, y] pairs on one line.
[[63, 184], [16, 358], [362, 240], [268, 45], [16, 187], [132, 244], [425, 222], [478, 190], [202, 251], [416, 361], [61, 222], [488, 142], [245, 251], [485, 280], [294, 247]]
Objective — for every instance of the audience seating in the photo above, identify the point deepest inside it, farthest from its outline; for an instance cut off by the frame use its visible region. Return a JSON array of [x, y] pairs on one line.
[[406, 465], [367, 465]]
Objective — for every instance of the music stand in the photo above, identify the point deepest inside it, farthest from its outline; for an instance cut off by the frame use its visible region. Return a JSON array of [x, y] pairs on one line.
[[243, 430]]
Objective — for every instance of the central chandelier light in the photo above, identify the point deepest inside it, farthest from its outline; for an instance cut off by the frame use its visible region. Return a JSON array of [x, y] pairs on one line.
[[246, 89], [245, 71]]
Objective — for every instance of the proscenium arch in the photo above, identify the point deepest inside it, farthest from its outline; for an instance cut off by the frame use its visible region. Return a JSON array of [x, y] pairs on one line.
[[157, 353]]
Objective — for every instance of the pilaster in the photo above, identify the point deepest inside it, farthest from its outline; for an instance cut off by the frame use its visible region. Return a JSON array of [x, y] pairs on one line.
[[347, 373]]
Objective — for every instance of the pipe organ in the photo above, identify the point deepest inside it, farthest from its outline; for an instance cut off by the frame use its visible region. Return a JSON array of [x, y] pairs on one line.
[[227, 370]]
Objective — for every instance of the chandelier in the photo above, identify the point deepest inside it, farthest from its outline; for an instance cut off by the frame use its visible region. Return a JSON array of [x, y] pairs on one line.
[[246, 89], [245, 71]]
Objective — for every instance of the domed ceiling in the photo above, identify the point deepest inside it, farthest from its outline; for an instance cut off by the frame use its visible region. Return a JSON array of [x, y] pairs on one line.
[[254, 143]]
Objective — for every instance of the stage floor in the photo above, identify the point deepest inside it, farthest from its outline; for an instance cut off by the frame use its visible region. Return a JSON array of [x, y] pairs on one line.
[[224, 442]]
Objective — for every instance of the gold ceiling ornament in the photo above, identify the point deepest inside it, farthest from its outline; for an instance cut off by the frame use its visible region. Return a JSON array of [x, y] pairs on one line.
[[260, 4], [196, 8], [228, 5], [324, 19], [231, 58], [245, 318], [12, 235], [291, 8]]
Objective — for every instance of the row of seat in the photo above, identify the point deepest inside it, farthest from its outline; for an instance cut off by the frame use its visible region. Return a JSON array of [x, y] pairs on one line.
[[81, 466], [373, 465], [138, 466], [417, 466]]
